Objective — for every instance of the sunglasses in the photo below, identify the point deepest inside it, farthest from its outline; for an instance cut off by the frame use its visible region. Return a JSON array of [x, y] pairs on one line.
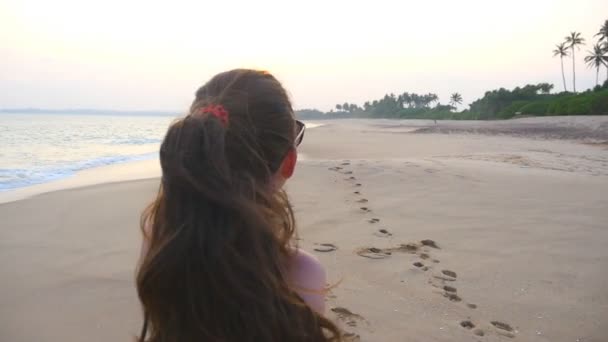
[[301, 127]]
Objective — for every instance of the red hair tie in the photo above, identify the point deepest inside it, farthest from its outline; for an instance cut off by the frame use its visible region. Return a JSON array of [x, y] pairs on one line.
[[216, 110]]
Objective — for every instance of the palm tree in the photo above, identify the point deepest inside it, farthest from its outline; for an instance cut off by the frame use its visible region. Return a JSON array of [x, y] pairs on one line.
[[339, 107], [367, 106], [433, 98], [407, 98], [400, 101], [574, 40], [596, 59], [545, 88], [603, 36], [561, 50], [425, 100], [455, 99], [415, 99]]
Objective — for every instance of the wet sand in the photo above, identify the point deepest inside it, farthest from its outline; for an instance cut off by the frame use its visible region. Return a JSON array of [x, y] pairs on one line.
[[433, 233]]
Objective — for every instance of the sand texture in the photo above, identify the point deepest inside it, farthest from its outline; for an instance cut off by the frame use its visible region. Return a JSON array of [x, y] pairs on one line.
[[446, 232]]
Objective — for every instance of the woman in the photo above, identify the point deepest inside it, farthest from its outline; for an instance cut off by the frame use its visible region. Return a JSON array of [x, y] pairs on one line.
[[218, 260]]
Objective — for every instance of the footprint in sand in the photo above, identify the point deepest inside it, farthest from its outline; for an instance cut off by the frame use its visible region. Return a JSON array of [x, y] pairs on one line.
[[325, 247], [347, 172], [449, 289], [363, 200], [478, 332], [446, 275], [365, 209], [503, 329], [351, 178], [411, 248], [357, 193], [373, 253], [472, 306], [429, 243], [449, 273], [358, 184], [383, 233], [348, 316], [377, 253], [345, 163], [467, 324], [452, 296], [449, 292], [373, 220], [421, 266], [443, 277]]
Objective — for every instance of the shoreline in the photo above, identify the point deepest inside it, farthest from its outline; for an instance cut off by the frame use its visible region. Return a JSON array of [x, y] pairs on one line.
[[135, 169], [590, 130], [108, 174]]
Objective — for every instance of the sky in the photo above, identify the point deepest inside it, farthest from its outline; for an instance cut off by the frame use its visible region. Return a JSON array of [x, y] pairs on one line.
[[153, 55]]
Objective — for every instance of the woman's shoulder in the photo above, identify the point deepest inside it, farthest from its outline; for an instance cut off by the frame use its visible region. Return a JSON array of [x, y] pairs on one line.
[[308, 277], [306, 265]]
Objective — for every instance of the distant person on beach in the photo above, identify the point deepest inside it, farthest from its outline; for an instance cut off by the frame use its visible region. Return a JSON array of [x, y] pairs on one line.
[[219, 262]]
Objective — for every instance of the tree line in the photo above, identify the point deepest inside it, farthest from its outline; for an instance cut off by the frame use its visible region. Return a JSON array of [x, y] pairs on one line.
[[502, 103], [392, 105]]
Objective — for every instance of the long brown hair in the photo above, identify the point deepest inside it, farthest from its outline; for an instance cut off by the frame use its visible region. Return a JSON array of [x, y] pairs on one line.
[[219, 234]]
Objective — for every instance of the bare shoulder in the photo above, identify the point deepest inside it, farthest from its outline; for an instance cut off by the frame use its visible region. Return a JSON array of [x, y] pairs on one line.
[[307, 266], [308, 277]]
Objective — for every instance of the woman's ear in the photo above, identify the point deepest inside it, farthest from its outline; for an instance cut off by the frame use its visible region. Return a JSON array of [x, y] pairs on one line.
[[289, 163]]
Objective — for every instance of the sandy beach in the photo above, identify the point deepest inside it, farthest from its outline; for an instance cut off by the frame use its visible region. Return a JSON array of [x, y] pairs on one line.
[[460, 231]]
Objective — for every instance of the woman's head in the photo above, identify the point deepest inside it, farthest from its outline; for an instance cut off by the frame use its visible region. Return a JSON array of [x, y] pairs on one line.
[[220, 229], [258, 136]]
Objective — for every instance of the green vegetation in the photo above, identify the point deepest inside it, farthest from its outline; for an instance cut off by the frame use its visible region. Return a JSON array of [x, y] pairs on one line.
[[530, 100]]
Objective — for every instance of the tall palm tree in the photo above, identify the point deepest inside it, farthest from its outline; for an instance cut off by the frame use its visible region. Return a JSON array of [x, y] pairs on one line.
[[561, 50], [455, 99], [603, 37], [573, 41], [596, 58]]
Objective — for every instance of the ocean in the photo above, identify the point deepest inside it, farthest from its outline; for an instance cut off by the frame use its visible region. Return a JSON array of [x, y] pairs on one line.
[[40, 148]]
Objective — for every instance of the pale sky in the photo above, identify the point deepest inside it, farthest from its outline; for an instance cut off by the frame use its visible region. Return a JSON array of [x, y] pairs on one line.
[[120, 54]]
